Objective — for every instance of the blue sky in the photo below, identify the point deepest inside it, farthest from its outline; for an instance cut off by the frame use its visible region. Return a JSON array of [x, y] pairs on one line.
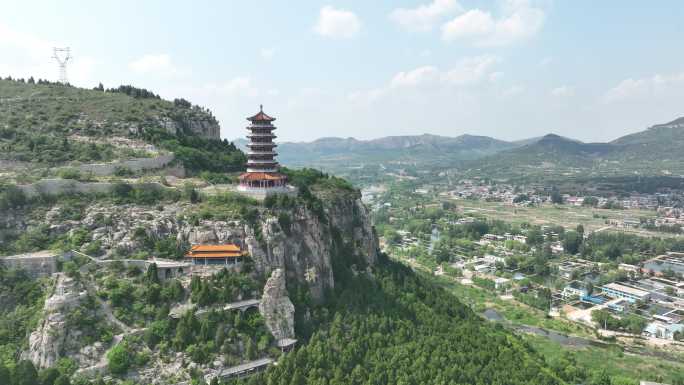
[[512, 69]]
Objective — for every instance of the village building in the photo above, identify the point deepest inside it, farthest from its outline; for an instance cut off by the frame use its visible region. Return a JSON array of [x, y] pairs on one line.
[[500, 283], [662, 330], [262, 174], [575, 289], [616, 290], [216, 255]]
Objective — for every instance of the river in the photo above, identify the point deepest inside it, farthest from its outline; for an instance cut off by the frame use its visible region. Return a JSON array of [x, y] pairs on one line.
[[562, 339]]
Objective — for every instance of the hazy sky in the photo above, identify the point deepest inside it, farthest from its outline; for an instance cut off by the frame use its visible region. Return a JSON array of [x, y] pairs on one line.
[[592, 70]]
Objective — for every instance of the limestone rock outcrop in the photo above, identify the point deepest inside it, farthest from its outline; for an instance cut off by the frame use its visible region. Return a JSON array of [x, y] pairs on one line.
[[48, 341], [302, 246], [304, 250], [276, 307], [206, 128]]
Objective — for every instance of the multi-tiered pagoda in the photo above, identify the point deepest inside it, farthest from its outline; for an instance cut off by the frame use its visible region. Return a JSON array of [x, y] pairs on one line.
[[262, 168]]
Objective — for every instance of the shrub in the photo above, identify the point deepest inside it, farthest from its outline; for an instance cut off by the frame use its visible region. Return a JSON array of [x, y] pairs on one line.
[[11, 197], [69, 173], [285, 222], [216, 178], [123, 171], [119, 358]]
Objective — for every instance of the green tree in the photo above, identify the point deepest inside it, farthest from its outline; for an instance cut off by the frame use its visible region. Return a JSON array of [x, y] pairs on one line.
[[11, 197], [535, 237], [185, 330], [5, 378], [25, 374], [119, 358], [152, 274], [572, 242], [250, 349], [62, 380], [590, 201], [600, 378], [48, 376]]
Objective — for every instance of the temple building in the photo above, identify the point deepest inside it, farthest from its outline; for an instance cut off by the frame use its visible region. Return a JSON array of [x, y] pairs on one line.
[[262, 169], [226, 255]]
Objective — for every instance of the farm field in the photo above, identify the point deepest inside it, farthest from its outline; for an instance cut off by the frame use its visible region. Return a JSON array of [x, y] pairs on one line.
[[593, 219]]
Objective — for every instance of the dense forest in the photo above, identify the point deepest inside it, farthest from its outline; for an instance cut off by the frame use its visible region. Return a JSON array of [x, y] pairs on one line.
[[392, 326]]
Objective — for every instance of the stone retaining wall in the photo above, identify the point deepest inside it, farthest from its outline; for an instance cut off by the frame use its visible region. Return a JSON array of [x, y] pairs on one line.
[[37, 265], [70, 186], [138, 164]]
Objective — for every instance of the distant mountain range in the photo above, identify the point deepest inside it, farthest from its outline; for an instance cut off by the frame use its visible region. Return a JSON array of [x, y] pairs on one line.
[[405, 149], [654, 151]]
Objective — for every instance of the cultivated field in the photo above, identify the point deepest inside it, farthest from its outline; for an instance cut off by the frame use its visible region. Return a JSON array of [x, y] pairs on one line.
[[592, 219]]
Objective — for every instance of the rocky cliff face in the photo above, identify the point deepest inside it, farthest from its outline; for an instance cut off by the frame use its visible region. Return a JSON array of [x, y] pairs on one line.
[[302, 250], [276, 307], [47, 343], [204, 127], [305, 248], [292, 246]]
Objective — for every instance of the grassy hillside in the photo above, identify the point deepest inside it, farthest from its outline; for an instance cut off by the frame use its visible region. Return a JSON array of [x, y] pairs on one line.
[[55, 108], [54, 124]]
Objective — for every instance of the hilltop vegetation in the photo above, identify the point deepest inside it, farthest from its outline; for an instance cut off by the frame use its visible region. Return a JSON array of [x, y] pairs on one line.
[[56, 108], [52, 124]]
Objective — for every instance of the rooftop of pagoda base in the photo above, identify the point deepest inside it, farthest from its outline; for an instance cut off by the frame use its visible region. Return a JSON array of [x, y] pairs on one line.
[[258, 185], [260, 193]]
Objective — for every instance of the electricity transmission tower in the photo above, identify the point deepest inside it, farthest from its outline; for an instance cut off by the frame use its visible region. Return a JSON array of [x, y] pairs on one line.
[[62, 57]]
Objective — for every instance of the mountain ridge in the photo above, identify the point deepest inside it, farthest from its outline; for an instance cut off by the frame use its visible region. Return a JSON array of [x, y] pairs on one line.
[[653, 150]]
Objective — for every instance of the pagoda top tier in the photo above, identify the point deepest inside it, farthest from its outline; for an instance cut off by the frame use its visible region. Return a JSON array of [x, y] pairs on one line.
[[261, 116]]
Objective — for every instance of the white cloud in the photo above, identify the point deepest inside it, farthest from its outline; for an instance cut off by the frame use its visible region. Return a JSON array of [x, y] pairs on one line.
[[470, 24], [628, 88], [519, 20], [154, 63], [337, 23], [267, 53], [425, 16], [416, 77], [471, 70], [563, 91], [657, 85], [467, 72]]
